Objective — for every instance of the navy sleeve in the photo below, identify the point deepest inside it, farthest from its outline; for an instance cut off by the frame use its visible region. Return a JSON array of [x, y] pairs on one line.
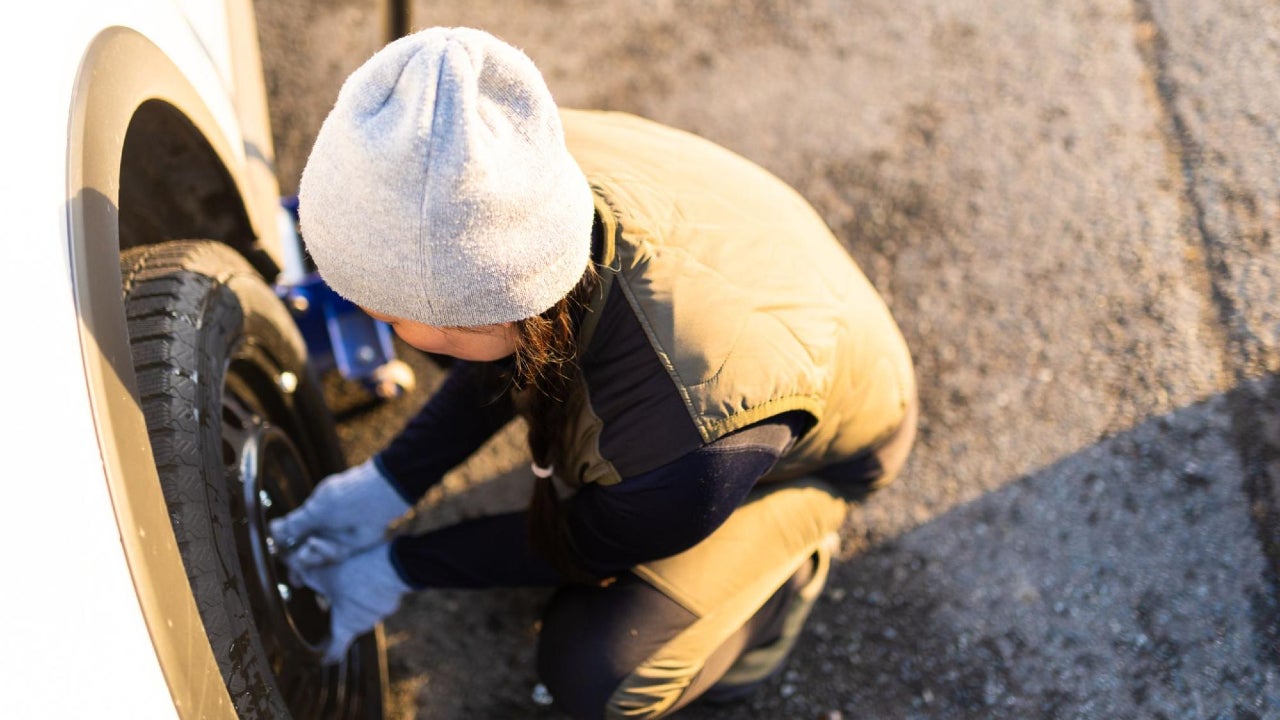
[[454, 423], [652, 515]]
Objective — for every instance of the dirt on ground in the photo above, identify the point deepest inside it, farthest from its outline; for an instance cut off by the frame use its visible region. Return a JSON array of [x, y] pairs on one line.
[[1070, 209]]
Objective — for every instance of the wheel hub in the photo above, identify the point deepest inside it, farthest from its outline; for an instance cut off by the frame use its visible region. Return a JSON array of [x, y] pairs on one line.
[[271, 468], [272, 481]]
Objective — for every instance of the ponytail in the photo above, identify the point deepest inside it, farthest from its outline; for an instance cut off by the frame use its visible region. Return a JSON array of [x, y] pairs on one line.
[[547, 368]]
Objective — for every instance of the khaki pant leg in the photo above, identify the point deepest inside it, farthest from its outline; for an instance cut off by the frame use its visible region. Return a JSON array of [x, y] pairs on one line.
[[723, 581]]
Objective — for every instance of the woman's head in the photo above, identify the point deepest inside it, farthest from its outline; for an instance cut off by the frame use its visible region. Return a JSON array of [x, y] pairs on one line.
[[440, 190], [440, 195]]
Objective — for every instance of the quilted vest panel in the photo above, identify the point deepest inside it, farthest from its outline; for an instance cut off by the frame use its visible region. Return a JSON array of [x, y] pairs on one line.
[[746, 297]]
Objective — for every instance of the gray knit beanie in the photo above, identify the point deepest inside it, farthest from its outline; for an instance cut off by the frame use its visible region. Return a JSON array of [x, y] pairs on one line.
[[440, 189]]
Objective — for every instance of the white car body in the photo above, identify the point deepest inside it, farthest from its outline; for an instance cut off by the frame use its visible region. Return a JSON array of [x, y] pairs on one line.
[[92, 624]]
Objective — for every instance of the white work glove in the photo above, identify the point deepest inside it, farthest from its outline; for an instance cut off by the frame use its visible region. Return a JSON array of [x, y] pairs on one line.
[[347, 512], [362, 590]]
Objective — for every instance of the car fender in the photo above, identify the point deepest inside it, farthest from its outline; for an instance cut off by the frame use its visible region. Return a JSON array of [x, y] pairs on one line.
[[101, 609]]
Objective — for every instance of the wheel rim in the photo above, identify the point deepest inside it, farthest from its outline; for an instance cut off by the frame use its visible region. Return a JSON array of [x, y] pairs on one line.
[[269, 476]]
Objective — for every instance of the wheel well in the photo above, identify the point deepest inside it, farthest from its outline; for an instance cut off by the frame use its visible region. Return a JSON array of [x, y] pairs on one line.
[[174, 186]]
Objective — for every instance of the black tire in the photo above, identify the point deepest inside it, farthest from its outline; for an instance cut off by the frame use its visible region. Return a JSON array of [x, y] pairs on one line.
[[240, 434]]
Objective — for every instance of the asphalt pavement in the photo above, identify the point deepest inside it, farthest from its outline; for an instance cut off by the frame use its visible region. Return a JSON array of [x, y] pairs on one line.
[[1071, 210]]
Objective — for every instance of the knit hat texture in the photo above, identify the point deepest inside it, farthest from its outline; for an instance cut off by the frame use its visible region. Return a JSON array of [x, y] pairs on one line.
[[440, 189]]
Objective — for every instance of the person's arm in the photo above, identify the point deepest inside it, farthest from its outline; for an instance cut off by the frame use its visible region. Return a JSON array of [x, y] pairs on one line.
[[453, 424], [671, 509], [649, 516], [348, 512]]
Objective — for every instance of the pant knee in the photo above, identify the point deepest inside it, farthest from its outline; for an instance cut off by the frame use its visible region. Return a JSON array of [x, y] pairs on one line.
[[593, 639], [578, 674], [583, 687]]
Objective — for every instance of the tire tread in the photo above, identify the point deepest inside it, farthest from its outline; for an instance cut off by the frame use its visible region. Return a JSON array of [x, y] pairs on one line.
[[186, 303]]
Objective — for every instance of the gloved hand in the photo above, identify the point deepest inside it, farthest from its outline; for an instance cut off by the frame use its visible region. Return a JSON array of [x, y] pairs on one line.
[[347, 512], [362, 590]]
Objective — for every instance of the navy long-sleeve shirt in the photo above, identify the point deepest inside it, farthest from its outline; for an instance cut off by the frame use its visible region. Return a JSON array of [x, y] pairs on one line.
[[649, 515]]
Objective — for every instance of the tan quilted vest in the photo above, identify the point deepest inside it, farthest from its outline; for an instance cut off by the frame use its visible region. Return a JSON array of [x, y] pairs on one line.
[[746, 297]]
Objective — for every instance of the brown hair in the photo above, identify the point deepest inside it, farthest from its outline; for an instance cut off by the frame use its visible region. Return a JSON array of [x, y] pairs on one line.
[[547, 368]]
